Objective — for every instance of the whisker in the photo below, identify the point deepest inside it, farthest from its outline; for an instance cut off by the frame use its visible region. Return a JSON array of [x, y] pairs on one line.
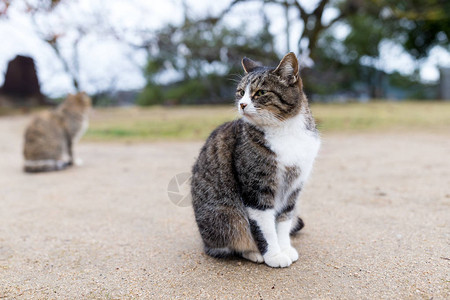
[[237, 78]]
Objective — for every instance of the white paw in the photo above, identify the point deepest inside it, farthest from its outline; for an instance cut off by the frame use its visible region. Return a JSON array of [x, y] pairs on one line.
[[291, 253], [253, 256], [278, 260], [78, 162]]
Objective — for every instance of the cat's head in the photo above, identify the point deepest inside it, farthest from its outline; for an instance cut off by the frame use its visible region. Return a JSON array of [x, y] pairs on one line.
[[79, 102], [268, 96]]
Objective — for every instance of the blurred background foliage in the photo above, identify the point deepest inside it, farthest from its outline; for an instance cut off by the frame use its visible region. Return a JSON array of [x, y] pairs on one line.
[[207, 53], [207, 56], [198, 60]]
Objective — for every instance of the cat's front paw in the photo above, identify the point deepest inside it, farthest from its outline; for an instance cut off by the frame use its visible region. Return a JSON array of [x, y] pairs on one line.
[[278, 260], [253, 256], [78, 162], [291, 252]]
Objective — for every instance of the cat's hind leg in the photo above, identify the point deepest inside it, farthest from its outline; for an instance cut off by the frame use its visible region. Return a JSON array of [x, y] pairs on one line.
[[253, 256], [218, 252], [45, 165], [225, 231]]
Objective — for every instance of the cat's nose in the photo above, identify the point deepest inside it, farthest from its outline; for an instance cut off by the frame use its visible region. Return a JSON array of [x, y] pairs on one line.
[[243, 105]]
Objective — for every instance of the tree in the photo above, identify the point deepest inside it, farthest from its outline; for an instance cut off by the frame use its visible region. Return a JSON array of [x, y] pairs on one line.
[[60, 33], [204, 56], [418, 25], [425, 23], [313, 22], [354, 61]]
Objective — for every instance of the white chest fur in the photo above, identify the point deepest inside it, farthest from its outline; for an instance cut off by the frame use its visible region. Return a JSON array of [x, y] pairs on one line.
[[294, 146], [82, 130]]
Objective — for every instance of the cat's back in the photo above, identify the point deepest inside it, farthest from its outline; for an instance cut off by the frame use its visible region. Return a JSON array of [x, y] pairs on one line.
[[225, 132], [43, 136], [218, 146], [41, 119]]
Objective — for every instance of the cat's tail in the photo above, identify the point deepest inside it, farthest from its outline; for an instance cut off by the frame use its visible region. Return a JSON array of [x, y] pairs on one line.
[[46, 165], [297, 225]]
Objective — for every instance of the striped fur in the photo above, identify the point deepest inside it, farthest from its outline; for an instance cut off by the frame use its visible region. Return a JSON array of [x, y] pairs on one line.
[[250, 172]]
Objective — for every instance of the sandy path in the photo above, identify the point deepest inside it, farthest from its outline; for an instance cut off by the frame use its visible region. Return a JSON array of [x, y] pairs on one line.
[[377, 214]]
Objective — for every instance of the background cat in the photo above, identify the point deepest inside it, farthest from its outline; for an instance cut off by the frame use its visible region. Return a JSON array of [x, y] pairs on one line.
[[50, 137], [250, 172]]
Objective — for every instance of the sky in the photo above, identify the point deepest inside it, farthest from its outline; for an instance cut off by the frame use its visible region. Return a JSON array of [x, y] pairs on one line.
[[108, 64]]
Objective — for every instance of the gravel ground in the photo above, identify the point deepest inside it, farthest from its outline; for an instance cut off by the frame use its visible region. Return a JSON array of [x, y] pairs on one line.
[[377, 214]]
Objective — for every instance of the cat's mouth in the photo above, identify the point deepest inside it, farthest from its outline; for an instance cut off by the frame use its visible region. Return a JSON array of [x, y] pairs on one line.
[[249, 117], [245, 113]]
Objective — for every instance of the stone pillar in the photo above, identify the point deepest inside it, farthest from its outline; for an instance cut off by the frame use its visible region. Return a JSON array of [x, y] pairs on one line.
[[21, 83]]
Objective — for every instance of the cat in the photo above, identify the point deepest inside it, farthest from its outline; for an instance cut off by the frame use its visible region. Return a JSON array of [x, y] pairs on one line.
[[250, 172], [50, 137]]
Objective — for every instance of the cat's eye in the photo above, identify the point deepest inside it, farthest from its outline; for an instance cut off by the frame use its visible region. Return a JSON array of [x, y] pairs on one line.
[[260, 93], [241, 92]]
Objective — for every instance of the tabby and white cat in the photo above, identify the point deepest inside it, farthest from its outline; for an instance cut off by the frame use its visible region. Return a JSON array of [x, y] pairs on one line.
[[250, 172], [50, 137]]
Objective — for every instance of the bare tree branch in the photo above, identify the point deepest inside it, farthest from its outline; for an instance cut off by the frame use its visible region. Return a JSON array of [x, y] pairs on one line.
[[303, 14], [313, 23]]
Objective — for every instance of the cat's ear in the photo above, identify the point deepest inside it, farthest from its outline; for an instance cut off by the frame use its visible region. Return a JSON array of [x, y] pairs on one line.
[[288, 68], [249, 65]]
